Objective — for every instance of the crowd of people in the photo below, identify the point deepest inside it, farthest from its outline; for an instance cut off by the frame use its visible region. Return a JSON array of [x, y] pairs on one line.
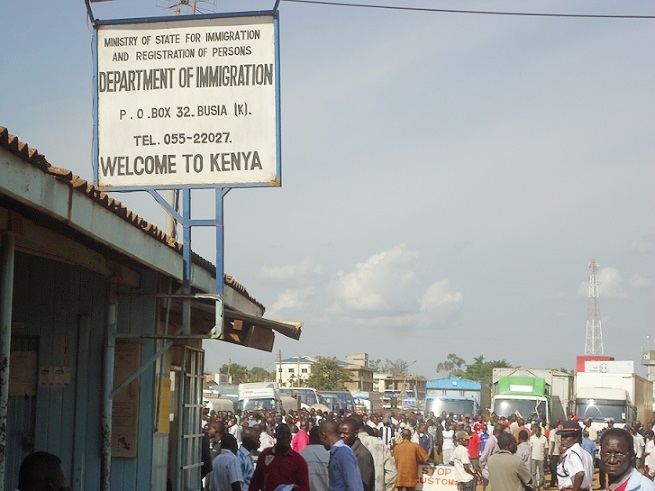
[[314, 450]]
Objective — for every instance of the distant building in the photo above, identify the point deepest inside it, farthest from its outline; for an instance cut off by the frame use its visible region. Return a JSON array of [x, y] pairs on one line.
[[294, 371], [362, 374], [391, 388]]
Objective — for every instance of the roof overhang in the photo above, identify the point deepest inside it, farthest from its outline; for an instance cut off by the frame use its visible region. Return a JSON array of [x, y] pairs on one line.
[[238, 327]]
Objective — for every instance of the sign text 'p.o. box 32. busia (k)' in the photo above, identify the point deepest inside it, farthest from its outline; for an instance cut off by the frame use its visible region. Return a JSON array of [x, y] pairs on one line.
[[189, 102]]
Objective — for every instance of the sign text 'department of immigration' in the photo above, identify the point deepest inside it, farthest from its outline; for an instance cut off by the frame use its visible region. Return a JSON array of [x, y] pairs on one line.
[[188, 103]]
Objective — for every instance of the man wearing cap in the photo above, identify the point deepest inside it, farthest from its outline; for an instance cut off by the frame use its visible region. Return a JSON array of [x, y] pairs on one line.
[[465, 475], [575, 471]]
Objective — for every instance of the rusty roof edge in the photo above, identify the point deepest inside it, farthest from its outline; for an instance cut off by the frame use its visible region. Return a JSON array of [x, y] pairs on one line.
[[31, 155]]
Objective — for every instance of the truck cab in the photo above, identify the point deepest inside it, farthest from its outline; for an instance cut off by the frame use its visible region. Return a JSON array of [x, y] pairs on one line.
[[523, 397], [603, 404], [458, 405], [259, 395]]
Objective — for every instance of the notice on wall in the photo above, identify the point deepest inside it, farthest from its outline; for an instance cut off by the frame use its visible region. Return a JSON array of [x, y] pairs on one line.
[[125, 404], [188, 102], [54, 376], [23, 373], [163, 405]]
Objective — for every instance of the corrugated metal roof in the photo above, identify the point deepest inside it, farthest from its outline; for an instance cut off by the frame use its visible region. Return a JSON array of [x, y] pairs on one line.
[[32, 156], [309, 359], [301, 359]]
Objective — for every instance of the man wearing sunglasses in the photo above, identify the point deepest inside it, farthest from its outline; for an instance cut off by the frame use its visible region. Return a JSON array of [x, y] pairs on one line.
[[617, 458]]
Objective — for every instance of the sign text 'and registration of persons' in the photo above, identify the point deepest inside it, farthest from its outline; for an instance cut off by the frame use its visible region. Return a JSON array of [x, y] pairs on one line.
[[188, 103]]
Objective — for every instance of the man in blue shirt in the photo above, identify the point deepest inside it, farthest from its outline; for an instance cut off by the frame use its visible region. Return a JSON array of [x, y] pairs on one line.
[[226, 472], [249, 444], [343, 470], [587, 444]]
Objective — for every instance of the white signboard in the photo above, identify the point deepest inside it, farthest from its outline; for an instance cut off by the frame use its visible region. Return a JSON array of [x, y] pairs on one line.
[[609, 366], [436, 478], [190, 102]]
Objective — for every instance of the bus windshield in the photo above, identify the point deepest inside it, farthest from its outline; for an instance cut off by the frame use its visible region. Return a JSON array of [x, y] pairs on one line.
[[308, 397], [256, 404]]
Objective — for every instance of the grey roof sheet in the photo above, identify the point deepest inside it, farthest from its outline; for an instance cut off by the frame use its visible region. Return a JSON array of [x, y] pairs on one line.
[[32, 156]]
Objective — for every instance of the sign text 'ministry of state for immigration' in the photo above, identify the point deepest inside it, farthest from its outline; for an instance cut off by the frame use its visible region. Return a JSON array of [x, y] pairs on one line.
[[188, 103]]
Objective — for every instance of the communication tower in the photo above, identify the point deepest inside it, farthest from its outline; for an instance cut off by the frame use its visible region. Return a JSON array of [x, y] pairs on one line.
[[186, 7], [594, 333]]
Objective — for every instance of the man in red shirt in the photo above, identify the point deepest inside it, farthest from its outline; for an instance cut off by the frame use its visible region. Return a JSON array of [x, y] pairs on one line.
[[301, 440], [474, 450], [280, 464]]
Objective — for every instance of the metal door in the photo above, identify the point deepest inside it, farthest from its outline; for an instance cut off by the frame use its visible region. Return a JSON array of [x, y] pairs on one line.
[[190, 431]]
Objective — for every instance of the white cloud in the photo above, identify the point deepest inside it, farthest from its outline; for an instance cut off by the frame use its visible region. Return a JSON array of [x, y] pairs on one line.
[[378, 284], [645, 245], [439, 299], [610, 284], [298, 273], [291, 299], [640, 283], [383, 291]]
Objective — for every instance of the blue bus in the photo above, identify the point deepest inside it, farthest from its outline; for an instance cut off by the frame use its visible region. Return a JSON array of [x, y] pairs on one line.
[[337, 400]]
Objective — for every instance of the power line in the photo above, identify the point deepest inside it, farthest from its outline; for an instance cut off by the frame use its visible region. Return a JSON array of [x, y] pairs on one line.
[[478, 12]]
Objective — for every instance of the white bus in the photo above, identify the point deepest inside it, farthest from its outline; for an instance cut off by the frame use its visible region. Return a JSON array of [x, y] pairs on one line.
[[306, 395]]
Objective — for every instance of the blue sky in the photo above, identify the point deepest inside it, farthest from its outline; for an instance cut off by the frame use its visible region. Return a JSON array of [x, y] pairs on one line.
[[447, 178]]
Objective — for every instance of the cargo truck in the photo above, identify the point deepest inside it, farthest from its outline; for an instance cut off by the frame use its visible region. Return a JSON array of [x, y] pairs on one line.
[[452, 395], [259, 395], [532, 392], [620, 397]]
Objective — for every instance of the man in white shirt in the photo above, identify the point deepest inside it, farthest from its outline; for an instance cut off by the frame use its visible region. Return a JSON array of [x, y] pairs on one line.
[[448, 443], [639, 445], [575, 472], [539, 447], [593, 432], [226, 471], [465, 475]]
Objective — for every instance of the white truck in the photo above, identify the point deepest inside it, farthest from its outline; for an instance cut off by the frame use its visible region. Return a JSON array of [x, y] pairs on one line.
[[620, 397], [259, 395], [534, 392]]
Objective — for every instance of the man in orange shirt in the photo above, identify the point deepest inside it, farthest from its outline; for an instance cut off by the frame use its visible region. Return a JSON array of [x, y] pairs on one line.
[[408, 456]]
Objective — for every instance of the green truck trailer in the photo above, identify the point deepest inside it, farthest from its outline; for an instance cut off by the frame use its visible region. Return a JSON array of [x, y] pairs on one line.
[[535, 393]]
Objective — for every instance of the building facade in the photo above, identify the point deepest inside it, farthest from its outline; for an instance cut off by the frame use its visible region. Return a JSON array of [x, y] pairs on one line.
[[100, 366]]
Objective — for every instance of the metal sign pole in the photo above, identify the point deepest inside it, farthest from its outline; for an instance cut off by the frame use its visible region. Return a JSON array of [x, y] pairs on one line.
[[220, 255], [186, 255]]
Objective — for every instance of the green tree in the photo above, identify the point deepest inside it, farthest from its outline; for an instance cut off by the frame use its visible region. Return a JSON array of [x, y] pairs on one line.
[[239, 373], [327, 374], [452, 366], [398, 368], [259, 374], [482, 371], [375, 365], [298, 381]]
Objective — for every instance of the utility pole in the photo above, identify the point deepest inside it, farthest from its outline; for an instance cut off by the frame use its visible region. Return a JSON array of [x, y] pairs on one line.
[[594, 332], [298, 376], [279, 367]]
